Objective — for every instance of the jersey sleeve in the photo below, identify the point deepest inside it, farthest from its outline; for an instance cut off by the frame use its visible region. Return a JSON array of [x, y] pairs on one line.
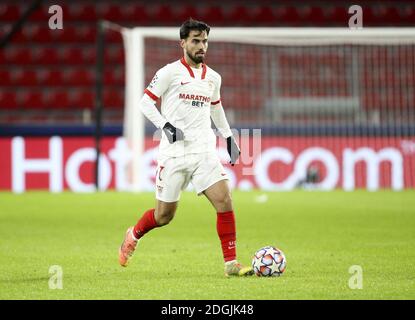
[[216, 92], [219, 119], [159, 84], [149, 109]]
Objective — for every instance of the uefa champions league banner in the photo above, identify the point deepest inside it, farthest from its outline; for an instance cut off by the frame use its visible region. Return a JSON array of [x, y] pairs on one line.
[[278, 163]]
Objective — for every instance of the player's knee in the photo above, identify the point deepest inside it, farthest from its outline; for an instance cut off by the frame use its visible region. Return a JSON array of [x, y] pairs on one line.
[[224, 201], [164, 217]]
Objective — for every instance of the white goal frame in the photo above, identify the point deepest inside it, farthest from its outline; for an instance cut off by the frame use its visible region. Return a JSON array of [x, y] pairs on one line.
[[134, 123]]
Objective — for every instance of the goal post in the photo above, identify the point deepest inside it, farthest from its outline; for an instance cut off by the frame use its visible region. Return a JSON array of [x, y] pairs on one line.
[[325, 81], [133, 127]]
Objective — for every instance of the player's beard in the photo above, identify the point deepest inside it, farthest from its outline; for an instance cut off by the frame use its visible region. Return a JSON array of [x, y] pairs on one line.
[[196, 59]]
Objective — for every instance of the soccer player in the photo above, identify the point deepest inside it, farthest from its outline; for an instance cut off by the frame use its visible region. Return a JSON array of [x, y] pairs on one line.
[[190, 97]]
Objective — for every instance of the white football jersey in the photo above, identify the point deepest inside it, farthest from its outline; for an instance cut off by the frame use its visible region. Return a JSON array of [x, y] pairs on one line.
[[187, 94]]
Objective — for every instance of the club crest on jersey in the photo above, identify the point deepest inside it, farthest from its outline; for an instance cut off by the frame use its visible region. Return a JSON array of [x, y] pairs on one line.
[[195, 100]]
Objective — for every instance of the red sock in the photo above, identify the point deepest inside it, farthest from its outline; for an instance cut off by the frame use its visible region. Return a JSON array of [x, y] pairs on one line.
[[225, 225], [145, 224]]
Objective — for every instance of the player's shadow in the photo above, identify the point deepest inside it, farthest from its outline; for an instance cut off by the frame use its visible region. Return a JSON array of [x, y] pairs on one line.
[[23, 280]]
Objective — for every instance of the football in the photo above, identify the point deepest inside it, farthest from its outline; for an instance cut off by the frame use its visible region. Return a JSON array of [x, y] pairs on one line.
[[269, 262]]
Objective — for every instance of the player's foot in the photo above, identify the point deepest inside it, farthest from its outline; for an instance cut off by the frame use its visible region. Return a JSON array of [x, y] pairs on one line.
[[234, 268], [127, 248]]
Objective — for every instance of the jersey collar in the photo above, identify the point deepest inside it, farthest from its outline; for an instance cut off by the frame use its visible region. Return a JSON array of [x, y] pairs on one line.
[[204, 69]]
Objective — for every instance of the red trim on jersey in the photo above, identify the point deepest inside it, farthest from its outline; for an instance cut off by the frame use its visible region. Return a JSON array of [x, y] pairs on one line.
[[183, 61], [151, 94], [215, 102], [204, 71]]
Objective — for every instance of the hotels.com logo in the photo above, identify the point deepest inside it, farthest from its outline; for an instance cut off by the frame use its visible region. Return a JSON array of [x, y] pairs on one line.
[[63, 160]]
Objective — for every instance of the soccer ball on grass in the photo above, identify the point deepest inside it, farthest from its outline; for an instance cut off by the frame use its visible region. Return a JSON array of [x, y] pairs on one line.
[[269, 262]]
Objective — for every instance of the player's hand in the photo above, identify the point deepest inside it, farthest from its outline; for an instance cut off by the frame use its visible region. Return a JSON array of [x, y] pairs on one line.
[[173, 134], [233, 149]]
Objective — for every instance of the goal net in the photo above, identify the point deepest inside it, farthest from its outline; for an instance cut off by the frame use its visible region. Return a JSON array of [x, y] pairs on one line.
[[335, 107]]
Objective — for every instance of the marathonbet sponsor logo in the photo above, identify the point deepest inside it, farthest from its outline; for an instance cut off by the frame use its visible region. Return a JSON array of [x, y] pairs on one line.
[[196, 100], [194, 97]]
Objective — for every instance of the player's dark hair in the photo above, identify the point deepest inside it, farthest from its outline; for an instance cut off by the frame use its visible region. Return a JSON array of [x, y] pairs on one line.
[[190, 25]]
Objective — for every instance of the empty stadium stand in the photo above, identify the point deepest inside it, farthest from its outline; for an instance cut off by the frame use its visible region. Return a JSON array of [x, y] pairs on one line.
[[43, 69]]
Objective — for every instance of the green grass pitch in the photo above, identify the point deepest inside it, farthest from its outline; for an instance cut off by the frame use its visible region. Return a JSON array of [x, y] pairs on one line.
[[322, 235]]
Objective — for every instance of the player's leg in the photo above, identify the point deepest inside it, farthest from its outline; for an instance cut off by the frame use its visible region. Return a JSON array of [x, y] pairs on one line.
[[164, 212], [167, 195], [211, 180], [219, 194], [152, 218]]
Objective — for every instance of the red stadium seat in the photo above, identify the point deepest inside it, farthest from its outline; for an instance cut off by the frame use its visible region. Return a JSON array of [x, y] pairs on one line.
[[82, 12], [244, 100], [57, 99], [39, 33], [188, 12], [127, 13], [72, 55], [50, 78], [45, 56], [25, 78], [109, 78], [114, 77], [114, 54], [88, 55], [85, 34], [18, 37], [240, 16], [408, 15], [71, 34], [111, 12], [67, 34], [42, 14], [20, 56], [337, 16], [140, 15], [369, 18], [164, 15], [213, 15], [83, 99], [9, 12], [313, 16], [8, 100], [5, 78], [287, 16], [390, 15], [25, 34], [31, 99], [264, 16], [113, 37], [113, 99], [79, 77]]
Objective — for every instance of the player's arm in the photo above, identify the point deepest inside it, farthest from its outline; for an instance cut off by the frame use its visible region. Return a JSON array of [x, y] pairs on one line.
[[149, 109], [219, 119], [157, 87]]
